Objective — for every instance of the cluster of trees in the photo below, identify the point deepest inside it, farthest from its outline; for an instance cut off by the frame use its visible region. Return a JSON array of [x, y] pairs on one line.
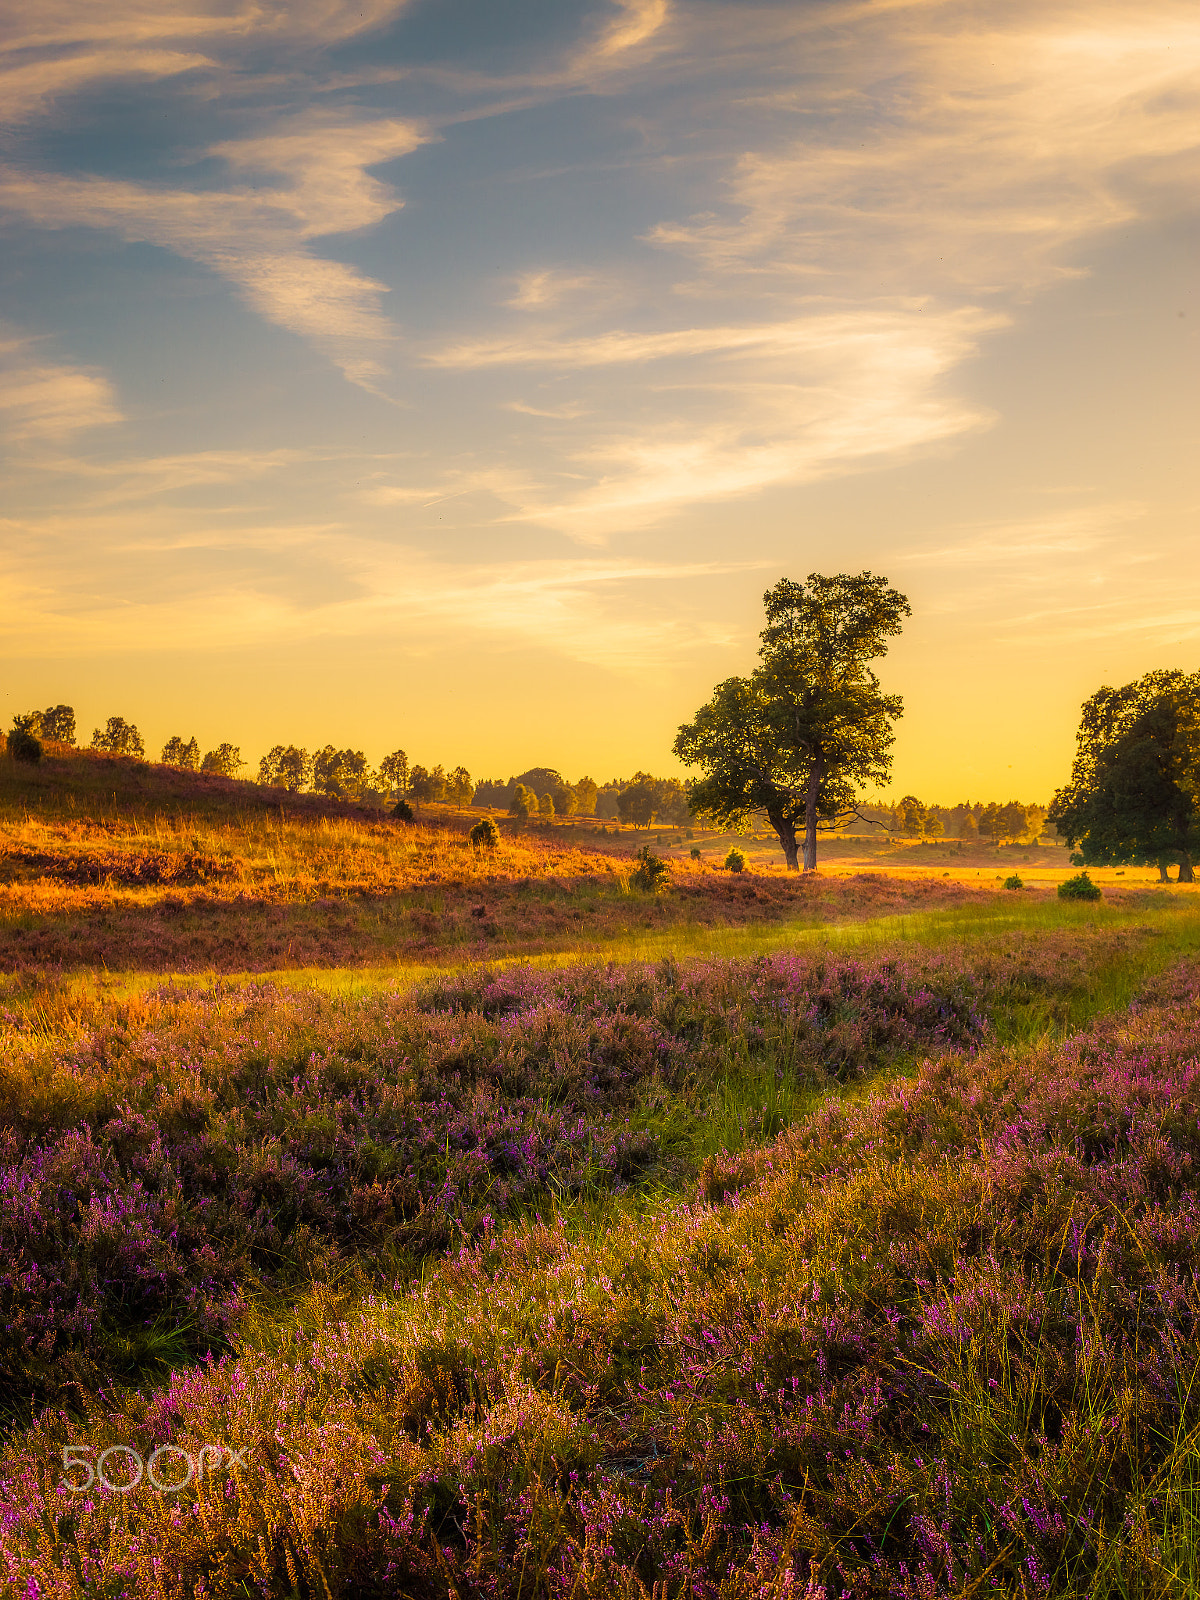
[[56, 724], [544, 792], [1012, 822]]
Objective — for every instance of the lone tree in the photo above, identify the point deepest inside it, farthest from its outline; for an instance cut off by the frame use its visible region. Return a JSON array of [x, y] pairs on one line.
[[1134, 793], [810, 724]]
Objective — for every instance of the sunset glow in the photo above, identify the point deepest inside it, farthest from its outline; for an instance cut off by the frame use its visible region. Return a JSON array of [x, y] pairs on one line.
[[458, 376]]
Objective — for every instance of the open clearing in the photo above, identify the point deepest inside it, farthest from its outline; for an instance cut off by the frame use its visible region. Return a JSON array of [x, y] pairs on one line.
[[480, 1226]]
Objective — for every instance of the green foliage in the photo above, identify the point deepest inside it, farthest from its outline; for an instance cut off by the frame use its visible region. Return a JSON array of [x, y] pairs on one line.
[[810, 724], [341, 774], [735, 861], [485, 835], [1014, 881], [523, 803], [56, 724], [459, 787], [546, 805], [651, 872], [1080, 887], [24, 746], [119, 738], [225, 761], [185, 756], [393, 770], [695, 852], [585, 792], [286, 767], [1134, 793], [402, 811], [427, 784]]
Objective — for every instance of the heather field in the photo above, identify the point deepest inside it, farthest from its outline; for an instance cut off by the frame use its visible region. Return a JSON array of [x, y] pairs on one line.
[[481, 1227]]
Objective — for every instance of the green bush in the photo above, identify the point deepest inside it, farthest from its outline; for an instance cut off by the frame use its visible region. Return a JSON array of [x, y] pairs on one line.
[[1014, 882], [650, 873], [735, 861], [695, 852], [1080, 887], [402, 811], [485, 835], [24, 746]]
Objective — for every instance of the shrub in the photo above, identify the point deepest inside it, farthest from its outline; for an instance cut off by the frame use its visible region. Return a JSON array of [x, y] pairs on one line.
[[485, 835], [650, 873], [1014, 882], [23, 746], [695, 852], [735, 861], [1080, 887], [402, 811]]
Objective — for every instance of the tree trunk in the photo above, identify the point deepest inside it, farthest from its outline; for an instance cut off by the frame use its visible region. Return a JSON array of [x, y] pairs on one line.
[[1186, 875], [1163, 875], [786, 829], [810, 816]]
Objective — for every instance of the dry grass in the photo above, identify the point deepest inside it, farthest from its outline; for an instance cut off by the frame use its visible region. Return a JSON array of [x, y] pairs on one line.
[[123, 866]]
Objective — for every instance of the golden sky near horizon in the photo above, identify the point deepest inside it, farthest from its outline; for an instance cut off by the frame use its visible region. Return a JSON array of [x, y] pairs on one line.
[[457, 375]]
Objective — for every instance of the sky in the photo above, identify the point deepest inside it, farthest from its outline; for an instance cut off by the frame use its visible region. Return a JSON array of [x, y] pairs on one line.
[[458, 374]]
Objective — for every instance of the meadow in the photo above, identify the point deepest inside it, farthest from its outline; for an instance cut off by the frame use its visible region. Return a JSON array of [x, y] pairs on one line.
[[477, 1225]]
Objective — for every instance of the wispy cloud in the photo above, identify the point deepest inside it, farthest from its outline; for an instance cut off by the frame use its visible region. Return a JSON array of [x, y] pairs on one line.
[[259, 237], [50, 401]]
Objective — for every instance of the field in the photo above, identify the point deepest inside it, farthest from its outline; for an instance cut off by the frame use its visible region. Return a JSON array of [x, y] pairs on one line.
[[459, 1225]]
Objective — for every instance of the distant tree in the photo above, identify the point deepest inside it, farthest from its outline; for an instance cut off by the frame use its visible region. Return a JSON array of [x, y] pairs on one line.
[[566, 802], [485, 835], [118, 738], [56, 724], [608, 801], [286, 766], [585, 797], [225, 761], [638, 802], [402, 811], [1012, 821], [393, 770], [989, 821], [25, 746], [541, 779], [910, 816], [968, 827], [524, 803], [1134, 793], [459, 787], [546, 805], [177, 754], [796, 738], [427, 784], [493, 792], [341, 774]]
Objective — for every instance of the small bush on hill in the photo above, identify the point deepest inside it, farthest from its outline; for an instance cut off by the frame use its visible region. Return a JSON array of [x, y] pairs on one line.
[[23, 746], [650, 873], [1014, 882], [402, 811], [485, 835], [695, 852], [1080, 887], [735, 861]]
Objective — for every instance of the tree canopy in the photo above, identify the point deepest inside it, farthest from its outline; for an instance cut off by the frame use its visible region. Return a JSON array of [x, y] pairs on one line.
[[1134, 793], [810, 725]]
